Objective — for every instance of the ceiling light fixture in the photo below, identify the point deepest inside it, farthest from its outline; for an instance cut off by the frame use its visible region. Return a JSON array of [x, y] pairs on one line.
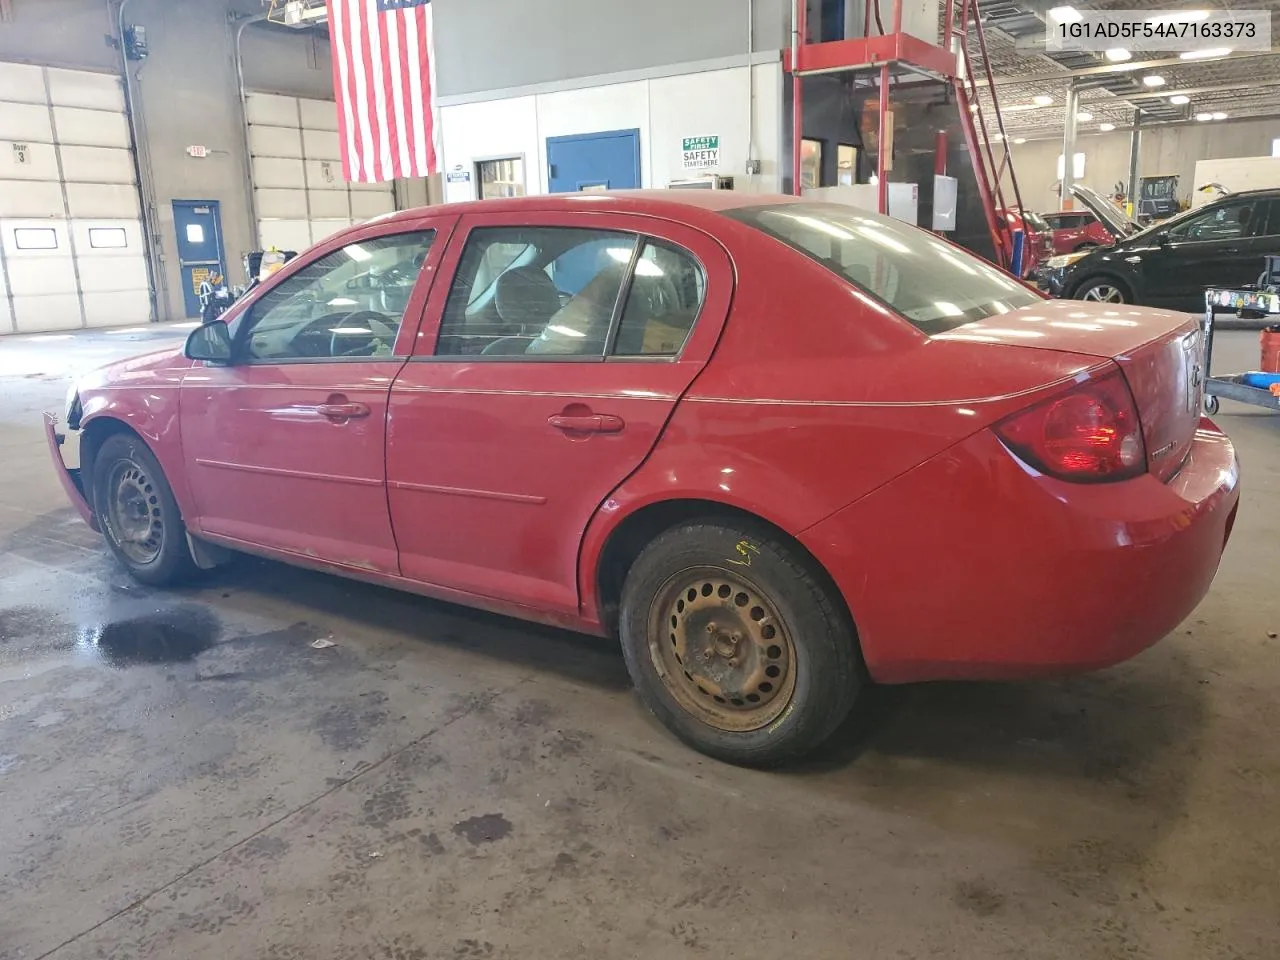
[[1042, 100], [1179, 99], [1106, 127], [1202, 117], [1019, 139], [1118, 55], [1084, 116], [1066, 14], [1153, 80], [1180, 16], [1219, 115], [1212, 53]]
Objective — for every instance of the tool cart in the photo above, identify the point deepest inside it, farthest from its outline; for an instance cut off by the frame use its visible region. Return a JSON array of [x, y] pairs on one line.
[[1260, 387]]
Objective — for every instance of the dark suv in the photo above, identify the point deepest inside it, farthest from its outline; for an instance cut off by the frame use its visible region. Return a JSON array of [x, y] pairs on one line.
[[1170, 263]]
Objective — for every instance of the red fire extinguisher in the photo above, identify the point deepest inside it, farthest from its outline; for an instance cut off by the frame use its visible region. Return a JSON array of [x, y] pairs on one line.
[[1270, 350]]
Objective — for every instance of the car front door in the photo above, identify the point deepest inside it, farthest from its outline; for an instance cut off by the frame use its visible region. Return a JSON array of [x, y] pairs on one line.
[[1212, 248], [285, 445], [529, 402]]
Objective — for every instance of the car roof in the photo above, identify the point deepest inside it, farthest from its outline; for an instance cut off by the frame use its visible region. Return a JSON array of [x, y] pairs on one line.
[[672, 203], [1262, 193]]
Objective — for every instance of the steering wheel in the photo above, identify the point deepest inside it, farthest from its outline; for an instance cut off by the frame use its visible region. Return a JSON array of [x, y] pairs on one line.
[[381, 333]]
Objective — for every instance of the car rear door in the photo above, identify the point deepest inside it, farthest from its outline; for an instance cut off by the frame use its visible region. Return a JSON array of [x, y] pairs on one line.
[[509, 427], [285, 445]]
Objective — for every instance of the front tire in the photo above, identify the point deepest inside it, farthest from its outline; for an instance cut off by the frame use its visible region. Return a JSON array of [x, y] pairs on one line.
[[138, 514], [1102, 290], [737, 644]]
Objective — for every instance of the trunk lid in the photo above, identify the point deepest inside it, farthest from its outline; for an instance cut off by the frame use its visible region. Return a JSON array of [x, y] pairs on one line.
[[1159, 351]]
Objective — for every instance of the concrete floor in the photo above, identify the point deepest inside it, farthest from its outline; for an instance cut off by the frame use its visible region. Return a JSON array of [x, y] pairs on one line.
[[183, 776]]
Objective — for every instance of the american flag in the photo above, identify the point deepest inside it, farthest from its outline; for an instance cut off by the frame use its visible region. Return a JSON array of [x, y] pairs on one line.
[[382, 82]]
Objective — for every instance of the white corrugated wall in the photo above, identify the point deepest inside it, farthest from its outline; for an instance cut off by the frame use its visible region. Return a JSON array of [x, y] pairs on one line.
[[71, 241], [300, 194]]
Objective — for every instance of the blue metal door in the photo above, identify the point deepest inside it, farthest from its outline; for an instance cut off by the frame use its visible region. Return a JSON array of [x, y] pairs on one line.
[[588, 162], [198, 224], [594, 161]]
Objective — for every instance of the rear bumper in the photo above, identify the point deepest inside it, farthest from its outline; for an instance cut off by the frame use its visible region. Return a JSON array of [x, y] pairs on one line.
[[972, 566], [70, 479]]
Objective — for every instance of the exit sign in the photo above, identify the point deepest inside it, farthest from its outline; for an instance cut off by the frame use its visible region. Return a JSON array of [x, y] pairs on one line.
[[198, 152]]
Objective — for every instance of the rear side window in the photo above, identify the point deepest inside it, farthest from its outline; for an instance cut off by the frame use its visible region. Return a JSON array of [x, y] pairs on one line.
[[542, 292], [667, 290], [934, 285]]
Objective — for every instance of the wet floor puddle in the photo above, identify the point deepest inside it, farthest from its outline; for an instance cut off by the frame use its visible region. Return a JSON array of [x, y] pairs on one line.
[[178, 635]]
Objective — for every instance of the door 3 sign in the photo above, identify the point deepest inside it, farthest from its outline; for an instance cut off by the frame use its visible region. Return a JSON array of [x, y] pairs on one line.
[[701, 153]]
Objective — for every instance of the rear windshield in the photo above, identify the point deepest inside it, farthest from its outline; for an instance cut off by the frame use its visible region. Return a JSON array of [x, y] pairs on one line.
[[934, 285]]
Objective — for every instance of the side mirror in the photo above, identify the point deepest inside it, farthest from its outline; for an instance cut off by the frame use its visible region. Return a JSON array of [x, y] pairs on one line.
[[211, 343]]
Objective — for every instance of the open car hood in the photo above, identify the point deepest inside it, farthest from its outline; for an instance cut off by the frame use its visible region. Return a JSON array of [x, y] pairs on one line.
[[1111, 216]]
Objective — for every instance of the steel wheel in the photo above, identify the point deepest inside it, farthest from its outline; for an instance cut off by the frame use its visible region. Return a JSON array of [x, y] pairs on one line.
[[721, 649], [1103, 293], [134, 518]]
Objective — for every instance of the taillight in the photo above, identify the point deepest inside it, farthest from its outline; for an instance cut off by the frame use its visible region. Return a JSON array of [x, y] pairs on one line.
[[1090, 434]]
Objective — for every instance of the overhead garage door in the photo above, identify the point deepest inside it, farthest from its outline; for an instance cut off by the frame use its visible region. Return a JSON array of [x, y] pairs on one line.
[[299, 189], [71, 241]]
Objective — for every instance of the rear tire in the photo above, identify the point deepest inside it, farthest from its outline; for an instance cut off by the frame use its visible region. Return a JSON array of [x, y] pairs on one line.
[[138, 514], [737, 644]]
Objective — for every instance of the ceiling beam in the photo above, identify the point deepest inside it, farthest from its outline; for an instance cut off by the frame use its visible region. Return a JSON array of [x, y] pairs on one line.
[[1160, 93], [1128, 66], [1048, 133]]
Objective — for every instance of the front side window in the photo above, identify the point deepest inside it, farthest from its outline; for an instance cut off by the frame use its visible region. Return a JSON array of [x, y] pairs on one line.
[[535, 291], [1226, 222], [347, 304], [934, 285]]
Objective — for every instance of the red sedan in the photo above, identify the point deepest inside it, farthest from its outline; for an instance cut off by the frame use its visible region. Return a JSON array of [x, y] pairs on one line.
[[781, 449], [1077, 230]]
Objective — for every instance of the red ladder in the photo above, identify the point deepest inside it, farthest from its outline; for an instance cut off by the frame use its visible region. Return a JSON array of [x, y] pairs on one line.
[[989, 169]]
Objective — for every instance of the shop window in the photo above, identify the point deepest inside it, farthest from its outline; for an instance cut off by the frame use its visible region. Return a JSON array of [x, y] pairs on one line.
[[810, 163], [108, 238], [846, 164], [35, 238], [503, 177]]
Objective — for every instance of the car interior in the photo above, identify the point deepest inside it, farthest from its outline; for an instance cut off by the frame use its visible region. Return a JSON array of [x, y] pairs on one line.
[[553, 292], [349, 303]]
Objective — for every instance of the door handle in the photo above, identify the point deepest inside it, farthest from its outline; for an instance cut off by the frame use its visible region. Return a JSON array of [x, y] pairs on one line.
[[342, 411], [1230, 249], [587, 423]]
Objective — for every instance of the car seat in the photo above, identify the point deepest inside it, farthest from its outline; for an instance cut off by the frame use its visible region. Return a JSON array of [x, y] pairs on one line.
[[526, 299]]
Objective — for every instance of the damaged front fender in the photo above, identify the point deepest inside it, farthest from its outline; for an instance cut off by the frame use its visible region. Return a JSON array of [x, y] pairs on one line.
[[70, 479]]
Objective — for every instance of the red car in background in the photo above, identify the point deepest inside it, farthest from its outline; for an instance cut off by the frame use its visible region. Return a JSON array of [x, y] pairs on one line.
[[1077, 230], [778, 448], [1037, 245]]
